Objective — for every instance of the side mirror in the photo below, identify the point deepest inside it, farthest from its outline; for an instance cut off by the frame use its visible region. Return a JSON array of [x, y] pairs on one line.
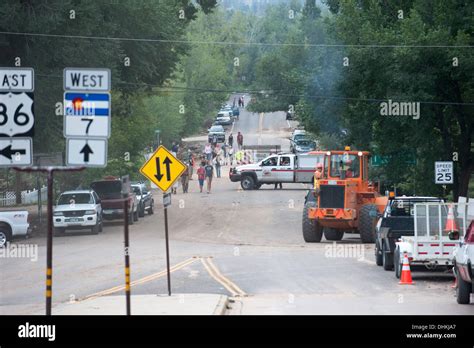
[[98, 201], [453, 235]]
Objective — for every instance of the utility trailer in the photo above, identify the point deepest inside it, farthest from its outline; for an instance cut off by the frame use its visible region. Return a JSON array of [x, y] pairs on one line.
[[430, 245]]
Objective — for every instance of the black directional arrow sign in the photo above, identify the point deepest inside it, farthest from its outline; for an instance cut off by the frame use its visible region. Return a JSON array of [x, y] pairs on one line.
[[167, 162], [163, 168], [86, 151], [8, 152]]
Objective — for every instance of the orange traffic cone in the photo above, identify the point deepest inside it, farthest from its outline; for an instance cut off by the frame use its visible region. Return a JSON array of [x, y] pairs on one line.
[[451, 225], [405, 277]]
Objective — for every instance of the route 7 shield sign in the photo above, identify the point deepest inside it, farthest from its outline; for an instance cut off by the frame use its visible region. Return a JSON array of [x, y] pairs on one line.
[[163, 168]]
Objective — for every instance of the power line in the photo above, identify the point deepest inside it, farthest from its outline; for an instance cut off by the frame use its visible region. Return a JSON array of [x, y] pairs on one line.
[[229, 43], [277, 93]]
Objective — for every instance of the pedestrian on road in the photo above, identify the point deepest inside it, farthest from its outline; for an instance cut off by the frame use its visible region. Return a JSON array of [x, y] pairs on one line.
[[278, 183], [201, 173], [231, 156], [231, 140], [185, 180], [190, 163], [209, 174], [240, 140], [208, 151], [174, 148], [224, 152]]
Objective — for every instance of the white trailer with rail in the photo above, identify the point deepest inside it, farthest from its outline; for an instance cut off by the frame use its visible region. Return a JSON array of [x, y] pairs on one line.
[[430, 245]]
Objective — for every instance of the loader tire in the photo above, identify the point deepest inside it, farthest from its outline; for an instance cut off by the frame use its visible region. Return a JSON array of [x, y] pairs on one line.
[[367, 222], [312, 231], [333, 234]]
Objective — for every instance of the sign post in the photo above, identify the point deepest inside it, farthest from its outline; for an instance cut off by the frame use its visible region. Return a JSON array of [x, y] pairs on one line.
[[163, 169], [49, 242]]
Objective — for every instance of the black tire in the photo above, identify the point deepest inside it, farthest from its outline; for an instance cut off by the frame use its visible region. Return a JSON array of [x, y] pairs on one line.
[[312, 231], [5, 236], [387, 258], [367, 223], [247, 183], [150, 210], [95, 229], [333, 234], [378, 254], [59, 231], [397, 263], [141, 210], [463, 290], [135, 215], [257, 186]]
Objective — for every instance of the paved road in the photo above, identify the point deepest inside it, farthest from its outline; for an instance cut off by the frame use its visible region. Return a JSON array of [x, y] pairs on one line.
[[246, 244]]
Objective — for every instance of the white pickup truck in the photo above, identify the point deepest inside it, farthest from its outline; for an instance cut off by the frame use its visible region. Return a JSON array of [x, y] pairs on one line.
[[282, 167], [13, 224]]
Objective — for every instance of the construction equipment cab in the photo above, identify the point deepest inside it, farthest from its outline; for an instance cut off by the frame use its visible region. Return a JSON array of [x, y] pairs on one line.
[[344, 200]]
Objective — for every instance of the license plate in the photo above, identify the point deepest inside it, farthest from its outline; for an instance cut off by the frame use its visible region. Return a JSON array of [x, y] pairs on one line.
[[74, 220]]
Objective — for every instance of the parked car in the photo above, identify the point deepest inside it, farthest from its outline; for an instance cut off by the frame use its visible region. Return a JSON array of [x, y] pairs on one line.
[[14, 223], [223, 119], [111, 196], [227, 110], [78, 210], [236, 112], [304, 145], [145, 199], [295, 137], [464, 265], [217, 132]]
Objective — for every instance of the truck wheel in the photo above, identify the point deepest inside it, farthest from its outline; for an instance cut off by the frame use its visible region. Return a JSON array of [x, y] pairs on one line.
[[397, 263], [312, 231], [258, 186], [5, 236], [387, 258], [463, 290], [135, 215], [59, 231], [378, 254], [367, 223], [150, 210], [141, 210], [333, 234], [95, 229], [247, 183]]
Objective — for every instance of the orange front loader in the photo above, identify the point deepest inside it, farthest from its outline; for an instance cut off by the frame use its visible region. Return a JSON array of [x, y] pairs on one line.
[[344, 200]]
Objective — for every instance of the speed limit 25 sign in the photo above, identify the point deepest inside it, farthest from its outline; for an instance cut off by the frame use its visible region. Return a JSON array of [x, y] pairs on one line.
[[444, 172], [16, 114]]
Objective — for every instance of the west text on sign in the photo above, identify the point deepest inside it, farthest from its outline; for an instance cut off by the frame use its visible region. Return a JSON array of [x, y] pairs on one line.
[[81, 79]]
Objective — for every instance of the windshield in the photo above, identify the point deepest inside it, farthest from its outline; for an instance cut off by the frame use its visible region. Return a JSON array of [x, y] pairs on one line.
[[305, 143], [216, 129], [299, 136], [108, 189], [345, 166], [136, 190], [75, 198]]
